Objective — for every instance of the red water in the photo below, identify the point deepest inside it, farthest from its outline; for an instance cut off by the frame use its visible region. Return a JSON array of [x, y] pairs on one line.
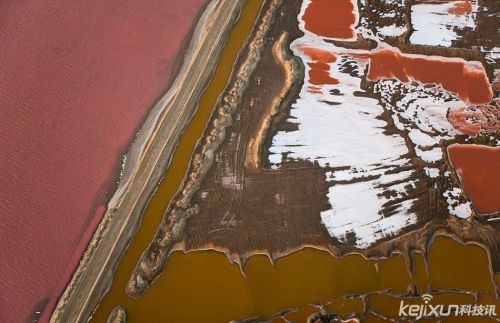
[[337, 19], [319, 68], [467, 79], [331, 18], [459, 120], [475, 119], [76, 80], [479, 172], [461, 8]]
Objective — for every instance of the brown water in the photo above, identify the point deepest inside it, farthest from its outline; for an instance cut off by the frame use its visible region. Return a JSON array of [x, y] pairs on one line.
[[204, 287], [452, 266], [180, 160]]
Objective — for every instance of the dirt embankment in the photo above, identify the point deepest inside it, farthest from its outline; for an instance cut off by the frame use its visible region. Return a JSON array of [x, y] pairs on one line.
[[146, 163], [291, 71], [182, 207]]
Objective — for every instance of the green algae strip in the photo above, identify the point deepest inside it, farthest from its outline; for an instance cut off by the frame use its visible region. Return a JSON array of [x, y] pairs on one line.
[[180, 161]]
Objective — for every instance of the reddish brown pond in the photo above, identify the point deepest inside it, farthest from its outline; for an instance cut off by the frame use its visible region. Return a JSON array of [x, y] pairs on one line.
[[461, 8], [319, 72], [467, 79], [330, 18], [478, 168]]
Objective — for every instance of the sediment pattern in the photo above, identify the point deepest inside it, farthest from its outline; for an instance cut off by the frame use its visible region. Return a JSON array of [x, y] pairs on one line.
[[118, 315], [154, 258], [297, 193], [145, 164], [290, 68]]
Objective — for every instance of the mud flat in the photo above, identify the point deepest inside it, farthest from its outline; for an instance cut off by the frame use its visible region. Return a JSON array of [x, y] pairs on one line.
[[146, 163]]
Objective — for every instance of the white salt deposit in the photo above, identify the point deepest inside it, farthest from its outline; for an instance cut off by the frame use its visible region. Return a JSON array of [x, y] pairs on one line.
[[434, 25], [339, 128], [391, 31], [455, 207], [345, 130]]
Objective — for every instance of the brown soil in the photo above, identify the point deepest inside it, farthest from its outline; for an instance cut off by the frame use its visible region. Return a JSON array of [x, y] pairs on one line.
[[245, 208]]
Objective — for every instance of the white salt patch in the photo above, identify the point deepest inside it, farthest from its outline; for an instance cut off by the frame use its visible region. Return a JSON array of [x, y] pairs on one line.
[[350, 134], [462, 210], [419, 107], [422, 139], [275, 159], [431, 172], [390, 14], [491, 55], [429, 156], [425, 108], [433, 25], [455, 207], [391, 31]]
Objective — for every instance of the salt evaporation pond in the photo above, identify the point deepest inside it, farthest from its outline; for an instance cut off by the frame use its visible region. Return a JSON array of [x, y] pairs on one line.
[[77, 78], [341, 126]]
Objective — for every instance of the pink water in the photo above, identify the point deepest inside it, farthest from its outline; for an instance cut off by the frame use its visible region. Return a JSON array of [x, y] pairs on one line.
[[76, 80]]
